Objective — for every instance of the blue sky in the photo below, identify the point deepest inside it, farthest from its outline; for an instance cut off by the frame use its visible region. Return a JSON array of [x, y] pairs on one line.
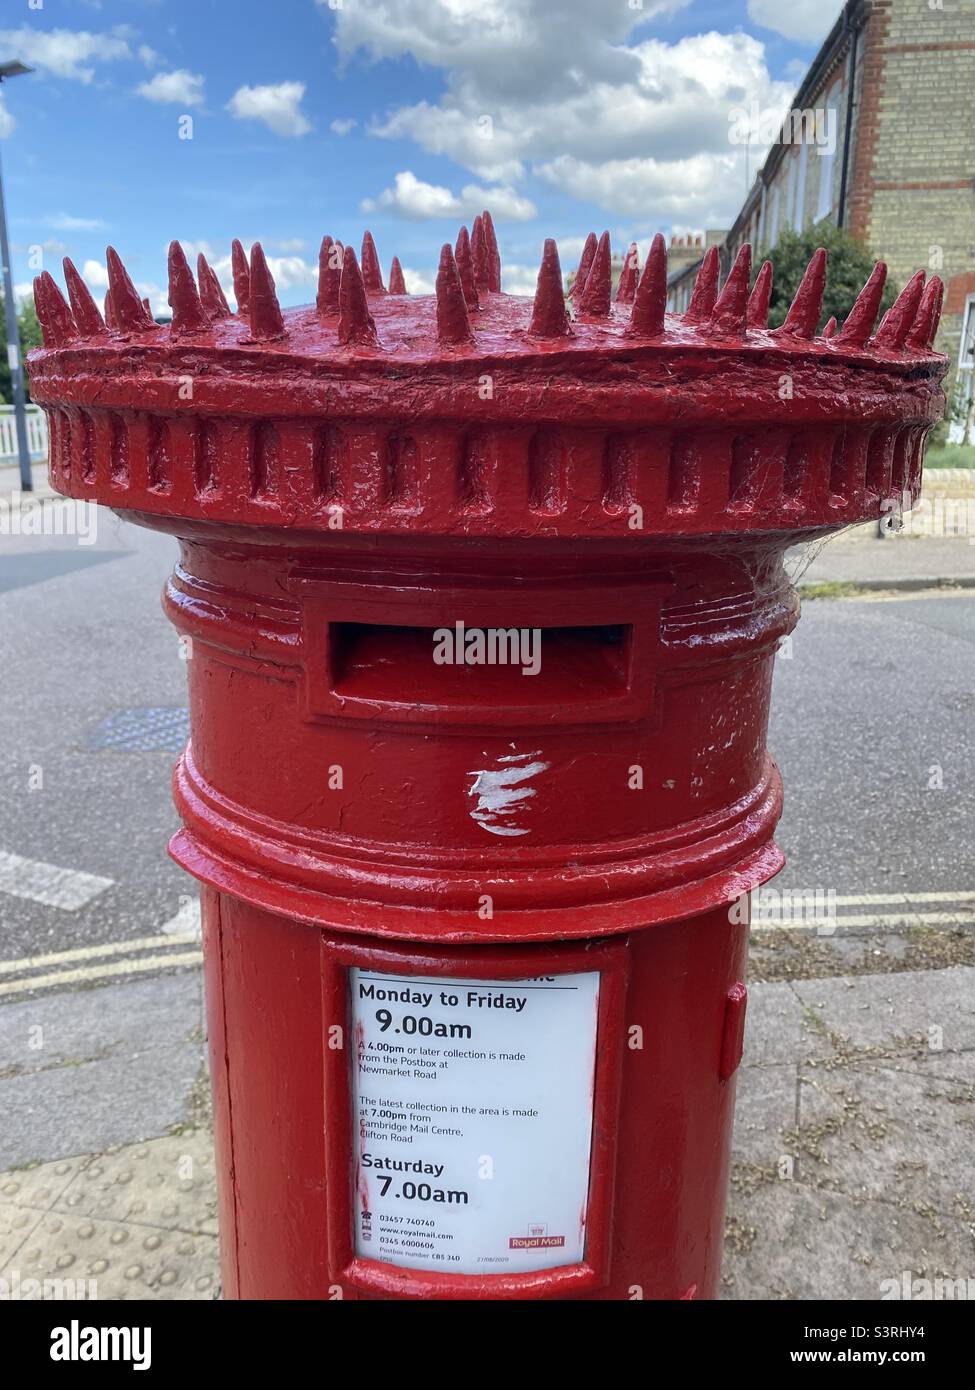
[[407, 116]]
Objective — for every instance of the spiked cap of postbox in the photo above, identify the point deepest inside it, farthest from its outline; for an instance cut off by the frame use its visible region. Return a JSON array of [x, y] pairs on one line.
[[471, 411]]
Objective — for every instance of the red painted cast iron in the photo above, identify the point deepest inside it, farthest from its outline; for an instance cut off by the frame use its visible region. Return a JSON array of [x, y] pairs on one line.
[[347, 478]]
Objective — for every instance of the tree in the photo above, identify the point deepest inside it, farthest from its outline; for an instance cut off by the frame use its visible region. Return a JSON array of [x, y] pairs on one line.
[[848, 268], [30, 337]]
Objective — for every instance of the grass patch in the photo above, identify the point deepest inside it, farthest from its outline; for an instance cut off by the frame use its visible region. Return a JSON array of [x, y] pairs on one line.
[[828, 588], [951, 456]]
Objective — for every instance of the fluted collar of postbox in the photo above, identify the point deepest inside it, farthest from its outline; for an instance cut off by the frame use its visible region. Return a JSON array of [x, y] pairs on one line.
[[471, 410]]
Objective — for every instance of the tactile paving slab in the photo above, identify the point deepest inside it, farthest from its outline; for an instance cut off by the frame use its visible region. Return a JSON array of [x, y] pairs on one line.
[[136, 1221], [152, 729]]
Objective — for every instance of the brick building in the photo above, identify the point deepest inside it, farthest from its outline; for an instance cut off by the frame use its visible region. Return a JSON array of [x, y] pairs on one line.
[[881, 141]]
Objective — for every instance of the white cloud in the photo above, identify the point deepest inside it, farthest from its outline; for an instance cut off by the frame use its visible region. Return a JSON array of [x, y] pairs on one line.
[[64, 222], [568, 100], [148, 56], [291, 244], [677, 105], [343, 124], [516, 46], [63, 52], [277, 106], [521, 279], [418, 282], [511, 72], [809, 21], [416, 200], [96, 275], [51, 246], [570, 249], [7, 121], [182, 87], [192, 249], [457, 132], [701, 189], [158, 298], [292, 271]]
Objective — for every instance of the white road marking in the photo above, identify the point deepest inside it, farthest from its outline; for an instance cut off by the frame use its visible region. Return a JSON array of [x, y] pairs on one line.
[[67, 889], [187, 920], [78, 953], [104, 972], [864, 899], [913, 919], [892, 921]]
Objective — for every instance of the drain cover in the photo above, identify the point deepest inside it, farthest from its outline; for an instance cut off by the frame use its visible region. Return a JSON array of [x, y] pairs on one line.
[[155, 729]]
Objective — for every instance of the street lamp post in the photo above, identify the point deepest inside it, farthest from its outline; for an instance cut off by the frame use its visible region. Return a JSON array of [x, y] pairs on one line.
[[7, 70]]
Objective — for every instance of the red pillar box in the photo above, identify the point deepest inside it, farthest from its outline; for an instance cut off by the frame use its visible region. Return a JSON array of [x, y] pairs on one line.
[[483, 602]]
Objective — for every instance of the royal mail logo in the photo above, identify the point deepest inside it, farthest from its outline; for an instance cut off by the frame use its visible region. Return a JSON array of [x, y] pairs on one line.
[[536, 1239]]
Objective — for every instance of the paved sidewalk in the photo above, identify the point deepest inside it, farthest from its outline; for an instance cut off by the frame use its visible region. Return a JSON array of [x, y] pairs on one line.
[[10, 479], [860, 559], [133, 1221], [853, 1156]]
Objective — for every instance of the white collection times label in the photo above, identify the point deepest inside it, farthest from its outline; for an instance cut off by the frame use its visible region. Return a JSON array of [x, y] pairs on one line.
[[473, 1120]]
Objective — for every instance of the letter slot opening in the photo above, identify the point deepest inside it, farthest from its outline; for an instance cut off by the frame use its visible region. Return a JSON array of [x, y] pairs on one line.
[[478, 668]]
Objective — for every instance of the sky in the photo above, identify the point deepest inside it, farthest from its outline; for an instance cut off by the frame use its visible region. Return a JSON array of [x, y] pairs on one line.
[[205, 120]]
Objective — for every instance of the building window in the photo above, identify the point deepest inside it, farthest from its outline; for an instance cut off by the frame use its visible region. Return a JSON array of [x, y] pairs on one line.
[[773, 217], [966, 356], [800, 205], [961, 430], [827, 154], [791, 195]]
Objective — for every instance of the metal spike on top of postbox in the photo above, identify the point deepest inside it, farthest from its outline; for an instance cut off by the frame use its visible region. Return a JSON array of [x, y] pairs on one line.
[[479, 254], [925, 329], [550, 317], [650, 298], [264, 311], [899, 318], [127, 307], [329, 277], [211, 291], [87, 315], [805, 311], [241, 276], [729, 317], [596, 298], [465, 267], [493, 254], [585, 265], [760, 297], [629, 275], [453, 323], [53, 312], [372, 275], [705, 293], [357, 327], [397, 285], [859, 322], [189, 315]]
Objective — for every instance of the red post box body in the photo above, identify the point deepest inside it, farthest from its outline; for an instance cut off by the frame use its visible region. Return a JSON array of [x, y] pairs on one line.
[[481, 609]]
